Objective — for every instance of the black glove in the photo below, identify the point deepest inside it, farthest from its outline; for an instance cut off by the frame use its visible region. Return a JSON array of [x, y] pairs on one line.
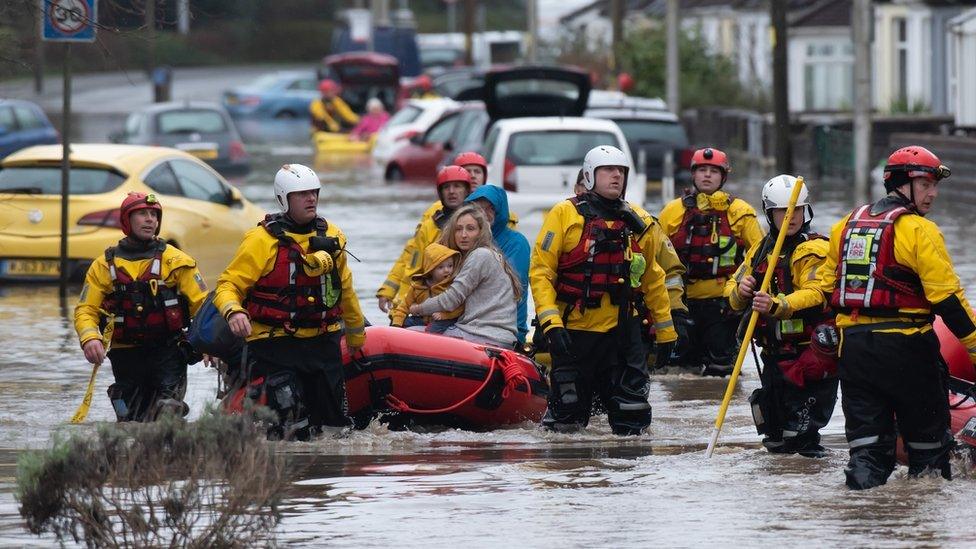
[[682, 324], [559, 342], [663, 356]]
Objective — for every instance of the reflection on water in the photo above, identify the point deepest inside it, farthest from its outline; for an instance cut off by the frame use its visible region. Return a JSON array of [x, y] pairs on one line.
[[518, 486]]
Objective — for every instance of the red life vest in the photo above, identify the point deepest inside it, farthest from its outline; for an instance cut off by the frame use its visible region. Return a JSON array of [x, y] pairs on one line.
[[706, 244], [869, 280], [787, 336], [601, 262], [145, 309], [287, 297]]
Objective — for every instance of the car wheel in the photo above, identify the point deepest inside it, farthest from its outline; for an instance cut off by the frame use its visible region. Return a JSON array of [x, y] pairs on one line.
[[285, 115], [394, 173]]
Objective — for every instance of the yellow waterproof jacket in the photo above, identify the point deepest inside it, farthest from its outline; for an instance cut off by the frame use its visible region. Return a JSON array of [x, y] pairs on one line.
[[742, 219], [178, 271], [420, 288], [920, 246], [409, 260], [255, 258], [674, 270], [805, 264], [561, 231], [324, 116]]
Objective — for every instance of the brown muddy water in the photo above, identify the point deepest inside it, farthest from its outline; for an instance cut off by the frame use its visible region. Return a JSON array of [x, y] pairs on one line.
[[520, 486]]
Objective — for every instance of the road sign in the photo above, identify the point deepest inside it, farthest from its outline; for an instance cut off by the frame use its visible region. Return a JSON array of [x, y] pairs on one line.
[[68, 20]]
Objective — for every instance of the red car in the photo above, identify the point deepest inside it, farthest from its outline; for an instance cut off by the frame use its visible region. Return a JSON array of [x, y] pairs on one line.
[[457, 130]]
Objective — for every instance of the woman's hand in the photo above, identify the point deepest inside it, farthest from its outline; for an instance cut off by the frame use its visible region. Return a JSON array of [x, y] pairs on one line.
[[415, 309], [762, 302], [438, 316], [747, 287]]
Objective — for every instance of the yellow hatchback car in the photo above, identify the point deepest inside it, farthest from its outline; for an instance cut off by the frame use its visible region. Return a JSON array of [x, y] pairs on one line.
[[202, 214]]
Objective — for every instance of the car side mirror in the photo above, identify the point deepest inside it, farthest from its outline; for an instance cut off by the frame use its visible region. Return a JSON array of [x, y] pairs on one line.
[[448, 146], [417, 139], [236, 198]]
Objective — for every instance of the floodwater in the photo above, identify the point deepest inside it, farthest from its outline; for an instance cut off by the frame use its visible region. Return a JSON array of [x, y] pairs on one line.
[[520, 486]]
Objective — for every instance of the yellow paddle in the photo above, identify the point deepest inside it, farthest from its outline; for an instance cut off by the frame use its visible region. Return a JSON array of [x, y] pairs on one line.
[[82, 412], [753, 318]]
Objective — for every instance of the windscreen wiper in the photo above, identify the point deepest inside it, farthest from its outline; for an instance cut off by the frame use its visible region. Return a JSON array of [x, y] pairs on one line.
[[23, 190]]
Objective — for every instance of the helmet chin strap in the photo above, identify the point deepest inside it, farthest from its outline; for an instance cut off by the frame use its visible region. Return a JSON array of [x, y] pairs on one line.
[[910, 199]]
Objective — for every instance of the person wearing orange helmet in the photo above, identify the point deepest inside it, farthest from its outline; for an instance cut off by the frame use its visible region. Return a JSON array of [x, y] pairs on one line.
[[711, 231], [886, 274], [625, 82], [453, 186], [144, 292], [330, 113], [423, 88]]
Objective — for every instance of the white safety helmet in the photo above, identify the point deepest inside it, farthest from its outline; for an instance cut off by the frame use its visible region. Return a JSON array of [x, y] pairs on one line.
[[292, 178], [776, 193], [604, 155]]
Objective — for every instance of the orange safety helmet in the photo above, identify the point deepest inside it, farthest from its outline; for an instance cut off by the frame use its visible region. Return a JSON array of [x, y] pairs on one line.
[[471, 157], [328, 85], [449, 174], [138, 201], [910, 162], [625, 82], [423, 82], [712, 157]]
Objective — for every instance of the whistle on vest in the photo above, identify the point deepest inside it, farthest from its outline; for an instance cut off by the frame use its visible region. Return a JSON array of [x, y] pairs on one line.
[[714, 230], [154, 287]]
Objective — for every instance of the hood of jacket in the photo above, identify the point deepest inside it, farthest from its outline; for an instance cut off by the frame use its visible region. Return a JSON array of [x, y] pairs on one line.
[[499, 201], [434, 254]]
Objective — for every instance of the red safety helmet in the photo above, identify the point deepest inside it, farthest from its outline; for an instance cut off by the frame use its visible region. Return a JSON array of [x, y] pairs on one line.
[[910, 162], [712, 157], [625, 82], [423, 82], [453, 173], [138, 201], [328, 85], [471, 157]]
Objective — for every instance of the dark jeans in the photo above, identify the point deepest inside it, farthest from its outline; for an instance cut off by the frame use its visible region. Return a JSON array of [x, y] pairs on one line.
[[890, 379], [612, 365], [712, 344], [435, 326], [145, 375], [315, 364], [800, 412]]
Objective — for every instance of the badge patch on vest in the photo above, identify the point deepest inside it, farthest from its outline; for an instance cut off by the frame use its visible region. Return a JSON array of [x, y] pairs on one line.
[[857, 248], [200, 283], [547, 241]]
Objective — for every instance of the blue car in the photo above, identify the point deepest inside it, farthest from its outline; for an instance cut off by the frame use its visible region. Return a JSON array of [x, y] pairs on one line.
[[23, 124], [281, 95]]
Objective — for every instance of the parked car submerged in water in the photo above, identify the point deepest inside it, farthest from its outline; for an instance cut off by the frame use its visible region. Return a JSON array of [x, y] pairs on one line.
[[23, 124], [415, 117], [458, 129], [202, 213], [202, 129], [281, 95]]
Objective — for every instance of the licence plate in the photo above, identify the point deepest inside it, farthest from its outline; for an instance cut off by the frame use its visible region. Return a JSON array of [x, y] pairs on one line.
[[201, 150], [31, 267], [204, 154]]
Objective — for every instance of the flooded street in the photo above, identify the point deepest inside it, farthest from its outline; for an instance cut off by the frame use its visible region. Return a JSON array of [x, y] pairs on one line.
[[511, 487]]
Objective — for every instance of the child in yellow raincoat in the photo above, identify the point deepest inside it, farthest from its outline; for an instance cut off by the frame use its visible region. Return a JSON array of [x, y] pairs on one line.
[[440, 265]]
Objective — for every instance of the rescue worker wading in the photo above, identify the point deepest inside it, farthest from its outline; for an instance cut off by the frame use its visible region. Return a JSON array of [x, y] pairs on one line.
[[887, 273], [711, 231], [148, 291], [289, 291], [595, 283], [330, 113], [799, 378], [453, 186]]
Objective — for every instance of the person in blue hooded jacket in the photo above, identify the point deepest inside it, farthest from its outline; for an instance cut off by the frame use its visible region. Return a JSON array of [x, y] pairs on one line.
[[494, 201]]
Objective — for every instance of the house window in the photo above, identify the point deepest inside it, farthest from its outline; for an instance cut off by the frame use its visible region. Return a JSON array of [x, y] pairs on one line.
[[900, 33], [828, 76]]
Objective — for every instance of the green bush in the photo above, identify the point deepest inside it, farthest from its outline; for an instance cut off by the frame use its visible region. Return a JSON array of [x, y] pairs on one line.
[[213, 482]]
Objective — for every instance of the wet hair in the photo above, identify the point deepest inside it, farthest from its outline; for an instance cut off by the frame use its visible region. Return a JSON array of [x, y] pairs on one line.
[[484, 241]]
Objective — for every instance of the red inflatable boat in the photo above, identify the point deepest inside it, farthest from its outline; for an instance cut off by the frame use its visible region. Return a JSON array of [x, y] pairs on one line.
[[443, 380], [962, 390], [433, 379]]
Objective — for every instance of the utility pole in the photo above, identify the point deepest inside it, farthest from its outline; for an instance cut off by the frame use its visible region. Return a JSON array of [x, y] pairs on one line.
[[183, 17], [861, 29], [532, 19], [781, 106], [451, 15], [673, 76], [468, 32], [617, 18]]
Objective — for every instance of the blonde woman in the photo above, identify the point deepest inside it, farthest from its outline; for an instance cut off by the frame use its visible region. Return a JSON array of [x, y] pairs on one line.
[[485, 284]]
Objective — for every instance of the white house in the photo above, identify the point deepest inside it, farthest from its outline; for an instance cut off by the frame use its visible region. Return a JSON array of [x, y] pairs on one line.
[[962, 77]]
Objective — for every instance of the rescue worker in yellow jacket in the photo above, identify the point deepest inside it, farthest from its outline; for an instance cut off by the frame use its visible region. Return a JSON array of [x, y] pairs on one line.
[[453, 186], [711, 231], [886, 274], [795, 328], [141, 294], [289, 291], [331, 113], [597, 290]]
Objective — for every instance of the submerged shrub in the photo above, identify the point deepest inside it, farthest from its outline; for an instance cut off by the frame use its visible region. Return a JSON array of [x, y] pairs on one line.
[[215, 482]]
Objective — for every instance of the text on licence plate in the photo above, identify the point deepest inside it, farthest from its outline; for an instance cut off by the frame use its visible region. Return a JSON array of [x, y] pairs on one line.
[[32, 267]]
